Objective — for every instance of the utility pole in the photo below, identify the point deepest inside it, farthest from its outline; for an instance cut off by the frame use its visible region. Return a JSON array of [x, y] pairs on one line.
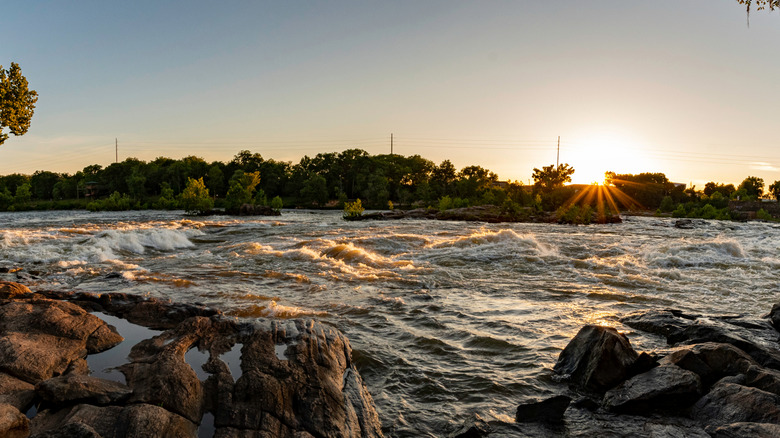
[[116, 150], [558, 156], [391, 143]]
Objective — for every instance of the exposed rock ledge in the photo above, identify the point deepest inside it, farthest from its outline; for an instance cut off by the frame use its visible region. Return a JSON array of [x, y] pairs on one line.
[[297, 379]]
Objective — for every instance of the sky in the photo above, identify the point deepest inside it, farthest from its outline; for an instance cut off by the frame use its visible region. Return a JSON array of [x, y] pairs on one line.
[[683, 87]]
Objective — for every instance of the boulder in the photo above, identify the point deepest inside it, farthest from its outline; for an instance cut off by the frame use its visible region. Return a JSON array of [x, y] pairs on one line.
[[664, 388], [597, 359], [473, 427], [549, 410], [257, 210], [774, 316], [728, 403], [754, 343], [711, 361], [132, 421], [16, 392], [13, 423], [70, 430], [742, 430], [76, 389], [660, 322], [40, 338]]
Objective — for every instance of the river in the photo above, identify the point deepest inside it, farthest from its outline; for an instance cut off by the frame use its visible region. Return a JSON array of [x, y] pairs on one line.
[[445, 318]]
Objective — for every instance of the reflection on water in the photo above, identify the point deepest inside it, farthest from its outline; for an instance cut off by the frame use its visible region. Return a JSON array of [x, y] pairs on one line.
[[103, 364], [444, 318]]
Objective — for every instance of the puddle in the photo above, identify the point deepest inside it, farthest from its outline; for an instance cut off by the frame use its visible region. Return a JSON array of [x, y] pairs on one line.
[[206, 428], [233, 360], [196, 359], [102, 364], [280, 350], [33, 411]]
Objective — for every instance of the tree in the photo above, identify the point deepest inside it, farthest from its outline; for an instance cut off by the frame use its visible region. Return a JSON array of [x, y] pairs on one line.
[[315, 190], [759, 4], [551, 177], [17, 102], [753, 186], [774, 189], [242, 186], [195, 198]]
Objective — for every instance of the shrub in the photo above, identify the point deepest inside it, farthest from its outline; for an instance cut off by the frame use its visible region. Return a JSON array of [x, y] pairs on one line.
[[195, 198], [353, 209], [276, 203]]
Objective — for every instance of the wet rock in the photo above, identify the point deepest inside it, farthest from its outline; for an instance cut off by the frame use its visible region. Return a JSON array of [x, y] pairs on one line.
[[598, 358], [16, 392], [774, 316], [133, 421], [40, 338], [711, 361], [257, 210], [742, 430], [13, 423], [683, 223], [764, 351], [660, 322], [585, 423], [550, 410], [728, 403], [473, 427], [664, 388], [76, 389]]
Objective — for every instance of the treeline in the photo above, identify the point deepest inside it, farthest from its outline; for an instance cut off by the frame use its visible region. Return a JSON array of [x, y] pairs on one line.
[[328, 179], [331, 179]]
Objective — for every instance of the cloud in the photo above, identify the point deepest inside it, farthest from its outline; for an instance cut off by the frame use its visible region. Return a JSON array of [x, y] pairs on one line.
[[767, 167]]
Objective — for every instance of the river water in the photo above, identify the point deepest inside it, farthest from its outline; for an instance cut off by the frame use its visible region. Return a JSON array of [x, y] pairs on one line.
[[445, 318]]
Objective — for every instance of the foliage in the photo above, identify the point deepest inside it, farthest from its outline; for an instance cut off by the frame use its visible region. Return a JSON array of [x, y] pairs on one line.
[[166, 200], [353, 209], [575, 214], [752, 186], [276, 203], [552, 177], [774, 189], [195, 198], [17, 102], [116, 202], [242, 186], [764, 215], [667, 204]]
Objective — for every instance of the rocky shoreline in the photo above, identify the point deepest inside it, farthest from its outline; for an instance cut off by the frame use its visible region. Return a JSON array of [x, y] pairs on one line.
[[481, 213], [719, 378], [296, 376]]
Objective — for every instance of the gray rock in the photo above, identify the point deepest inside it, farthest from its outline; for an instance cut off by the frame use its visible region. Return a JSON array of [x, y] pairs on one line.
[[774, 316], [70, 430], [664, 388], [711, 361], [473, 427], [76, 389], [598, 358], [730, 403]]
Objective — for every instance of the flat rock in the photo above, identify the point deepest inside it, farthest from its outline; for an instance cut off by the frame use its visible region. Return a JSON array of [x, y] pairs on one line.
[[598, 358], [77, 389], [16, 392], [11, 290], [663, 388], [474, 427], [70, 430], [728, 403], [711, 361]]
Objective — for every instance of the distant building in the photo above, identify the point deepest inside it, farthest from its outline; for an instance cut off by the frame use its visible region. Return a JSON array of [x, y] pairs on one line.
[[501, 184]]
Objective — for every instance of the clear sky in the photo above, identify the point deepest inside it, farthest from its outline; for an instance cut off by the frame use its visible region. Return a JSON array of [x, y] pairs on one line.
[[683, 87]]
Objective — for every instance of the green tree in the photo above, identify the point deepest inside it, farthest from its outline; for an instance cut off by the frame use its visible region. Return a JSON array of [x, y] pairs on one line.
[[551, 177], [242, 186], [774, 189], [277, 203], [23, 194], [315, 190], [753, 187], [195, 198], [17, 102]]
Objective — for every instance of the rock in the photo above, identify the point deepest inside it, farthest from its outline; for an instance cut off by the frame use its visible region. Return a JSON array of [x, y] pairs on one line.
[[728, 403], [70, 430], [473, 427], [257, 210], [663, 388], [598, 358], [40, 338], [711, 361], [76, 389], [683, 223], [763, 351], [13, 423], [10, 290], [741, 430], [774, 316], [550, 410], [133, 421], [660, 322], [16, 392]]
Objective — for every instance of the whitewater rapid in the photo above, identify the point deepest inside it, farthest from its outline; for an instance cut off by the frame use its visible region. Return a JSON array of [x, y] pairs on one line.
[[445, 318]]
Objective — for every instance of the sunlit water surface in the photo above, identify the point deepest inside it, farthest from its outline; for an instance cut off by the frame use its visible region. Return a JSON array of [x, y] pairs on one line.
[[445, 318]]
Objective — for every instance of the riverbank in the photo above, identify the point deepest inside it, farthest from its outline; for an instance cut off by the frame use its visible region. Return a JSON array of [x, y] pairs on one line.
[[295, 379], [489, 214]]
